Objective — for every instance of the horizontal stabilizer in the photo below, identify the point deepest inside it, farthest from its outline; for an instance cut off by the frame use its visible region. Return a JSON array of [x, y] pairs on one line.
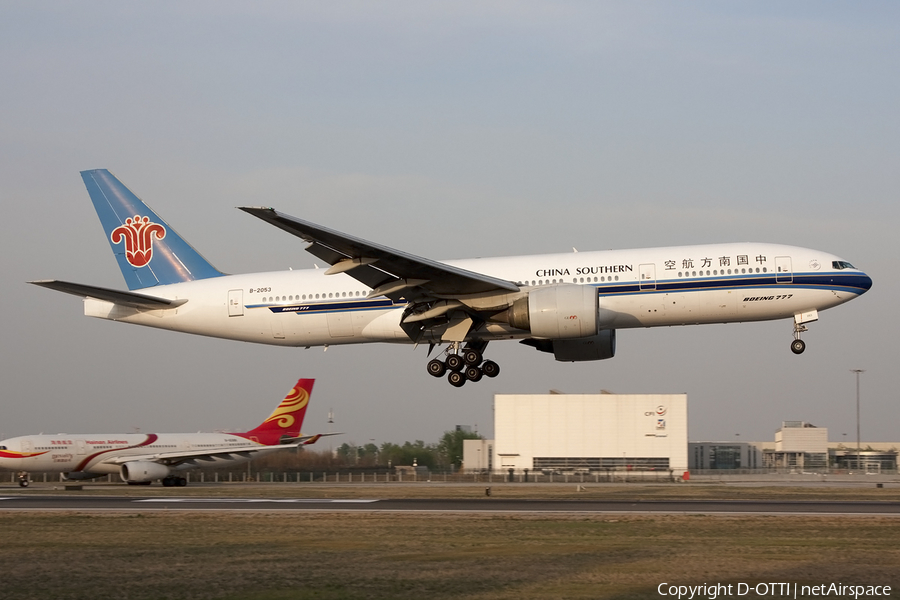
[[118, 297], [306, 439]]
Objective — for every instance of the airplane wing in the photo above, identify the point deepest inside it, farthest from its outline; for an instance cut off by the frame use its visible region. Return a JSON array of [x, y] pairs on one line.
[[177, 458], [387, 271], [115, 296]]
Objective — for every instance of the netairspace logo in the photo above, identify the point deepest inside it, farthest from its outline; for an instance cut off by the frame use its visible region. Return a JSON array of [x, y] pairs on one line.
[[786, 590]]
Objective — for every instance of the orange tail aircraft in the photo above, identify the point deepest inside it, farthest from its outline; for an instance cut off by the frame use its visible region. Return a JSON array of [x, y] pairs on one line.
[[147, 457]]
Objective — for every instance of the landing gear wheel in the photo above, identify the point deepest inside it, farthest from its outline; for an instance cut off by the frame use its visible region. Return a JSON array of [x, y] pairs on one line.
[[490, 368], [436, 368], [474, 374], [180, 481], [472, 357], [798, 346], [456, 379], [23, 482], [455, 362]]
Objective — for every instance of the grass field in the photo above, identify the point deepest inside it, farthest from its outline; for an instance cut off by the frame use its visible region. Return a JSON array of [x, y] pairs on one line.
[[261, 556], [625, 491]]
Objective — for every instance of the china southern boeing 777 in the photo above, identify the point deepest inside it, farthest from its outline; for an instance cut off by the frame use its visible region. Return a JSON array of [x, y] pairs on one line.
[[569, 305]]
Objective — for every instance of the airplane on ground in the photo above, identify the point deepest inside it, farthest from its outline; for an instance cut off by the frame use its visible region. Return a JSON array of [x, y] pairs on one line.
[[141, 458], [569, 305]]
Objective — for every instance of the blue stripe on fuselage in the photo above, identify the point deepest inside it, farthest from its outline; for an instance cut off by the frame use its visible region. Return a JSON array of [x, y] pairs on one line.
[[856, 283], [343, 306]]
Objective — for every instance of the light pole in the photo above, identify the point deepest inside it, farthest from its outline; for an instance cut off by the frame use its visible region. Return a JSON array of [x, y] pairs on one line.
[[857, 371]]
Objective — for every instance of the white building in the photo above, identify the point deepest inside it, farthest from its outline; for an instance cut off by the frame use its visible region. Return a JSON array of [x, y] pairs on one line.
[[800, 436], [800, 445], [584, 432]]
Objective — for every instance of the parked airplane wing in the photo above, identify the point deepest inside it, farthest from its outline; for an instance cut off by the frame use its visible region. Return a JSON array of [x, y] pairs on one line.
[[176, 458], [115, 296], [245, 451], [387, 271]]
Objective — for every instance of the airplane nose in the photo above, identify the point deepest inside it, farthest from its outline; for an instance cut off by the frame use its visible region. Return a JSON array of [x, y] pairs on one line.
[[865, 282]]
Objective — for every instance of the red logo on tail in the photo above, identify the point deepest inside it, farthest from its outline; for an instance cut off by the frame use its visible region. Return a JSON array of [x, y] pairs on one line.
[[138, 234], [287, 418], [295, 401]]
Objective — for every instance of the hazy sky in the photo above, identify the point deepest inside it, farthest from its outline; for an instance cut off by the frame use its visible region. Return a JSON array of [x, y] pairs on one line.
[[450, 130]]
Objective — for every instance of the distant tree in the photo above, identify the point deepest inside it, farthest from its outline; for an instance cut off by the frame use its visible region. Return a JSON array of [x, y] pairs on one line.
[[450, 448], [370, 449], [445, 454], [408, 454], [347, 453], [299, 459]]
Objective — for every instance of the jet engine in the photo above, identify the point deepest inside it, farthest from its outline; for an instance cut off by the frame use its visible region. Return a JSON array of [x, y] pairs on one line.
[[142, 471], [558, 312], [597, 347]]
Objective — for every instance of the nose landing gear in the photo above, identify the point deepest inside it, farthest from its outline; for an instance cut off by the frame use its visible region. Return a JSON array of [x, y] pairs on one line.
[[798, 345], [465, 365]]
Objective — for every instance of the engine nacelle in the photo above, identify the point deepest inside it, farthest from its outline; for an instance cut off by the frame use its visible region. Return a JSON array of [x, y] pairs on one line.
[[598, 347], [142, 471], [557, 312]]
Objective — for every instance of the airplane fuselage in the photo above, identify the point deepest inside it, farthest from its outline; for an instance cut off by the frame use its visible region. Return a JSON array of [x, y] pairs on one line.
[[88, 455], [651, 287]]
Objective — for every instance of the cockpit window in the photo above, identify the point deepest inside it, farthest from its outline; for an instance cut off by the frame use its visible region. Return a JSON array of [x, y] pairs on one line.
[[841, 264]]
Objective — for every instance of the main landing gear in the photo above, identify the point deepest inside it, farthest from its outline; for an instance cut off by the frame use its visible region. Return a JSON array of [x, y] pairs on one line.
[[467, 365], [173, 481]]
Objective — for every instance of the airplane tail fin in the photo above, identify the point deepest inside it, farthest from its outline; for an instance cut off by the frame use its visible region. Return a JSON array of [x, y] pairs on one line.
[[286, 420], [148, 250]]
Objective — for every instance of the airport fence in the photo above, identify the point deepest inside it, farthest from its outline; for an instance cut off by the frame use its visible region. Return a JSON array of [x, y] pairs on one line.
[[872, 469], [373, 476], [386, 476]]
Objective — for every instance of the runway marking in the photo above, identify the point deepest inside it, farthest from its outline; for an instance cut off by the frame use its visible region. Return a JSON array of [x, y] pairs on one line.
[[253, 500]]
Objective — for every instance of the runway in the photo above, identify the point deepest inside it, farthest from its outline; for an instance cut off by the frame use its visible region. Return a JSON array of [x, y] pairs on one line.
[[34, 502]]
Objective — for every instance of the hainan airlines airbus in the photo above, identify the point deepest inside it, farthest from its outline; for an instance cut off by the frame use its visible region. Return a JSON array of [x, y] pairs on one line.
[[569, 305], [141, 458]]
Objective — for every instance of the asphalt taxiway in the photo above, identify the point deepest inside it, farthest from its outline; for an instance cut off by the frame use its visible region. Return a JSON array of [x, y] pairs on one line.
[[133, 504]]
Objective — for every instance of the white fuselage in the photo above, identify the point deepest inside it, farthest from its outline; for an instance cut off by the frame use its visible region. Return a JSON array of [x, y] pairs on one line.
[[717, 283], [86, 455]]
